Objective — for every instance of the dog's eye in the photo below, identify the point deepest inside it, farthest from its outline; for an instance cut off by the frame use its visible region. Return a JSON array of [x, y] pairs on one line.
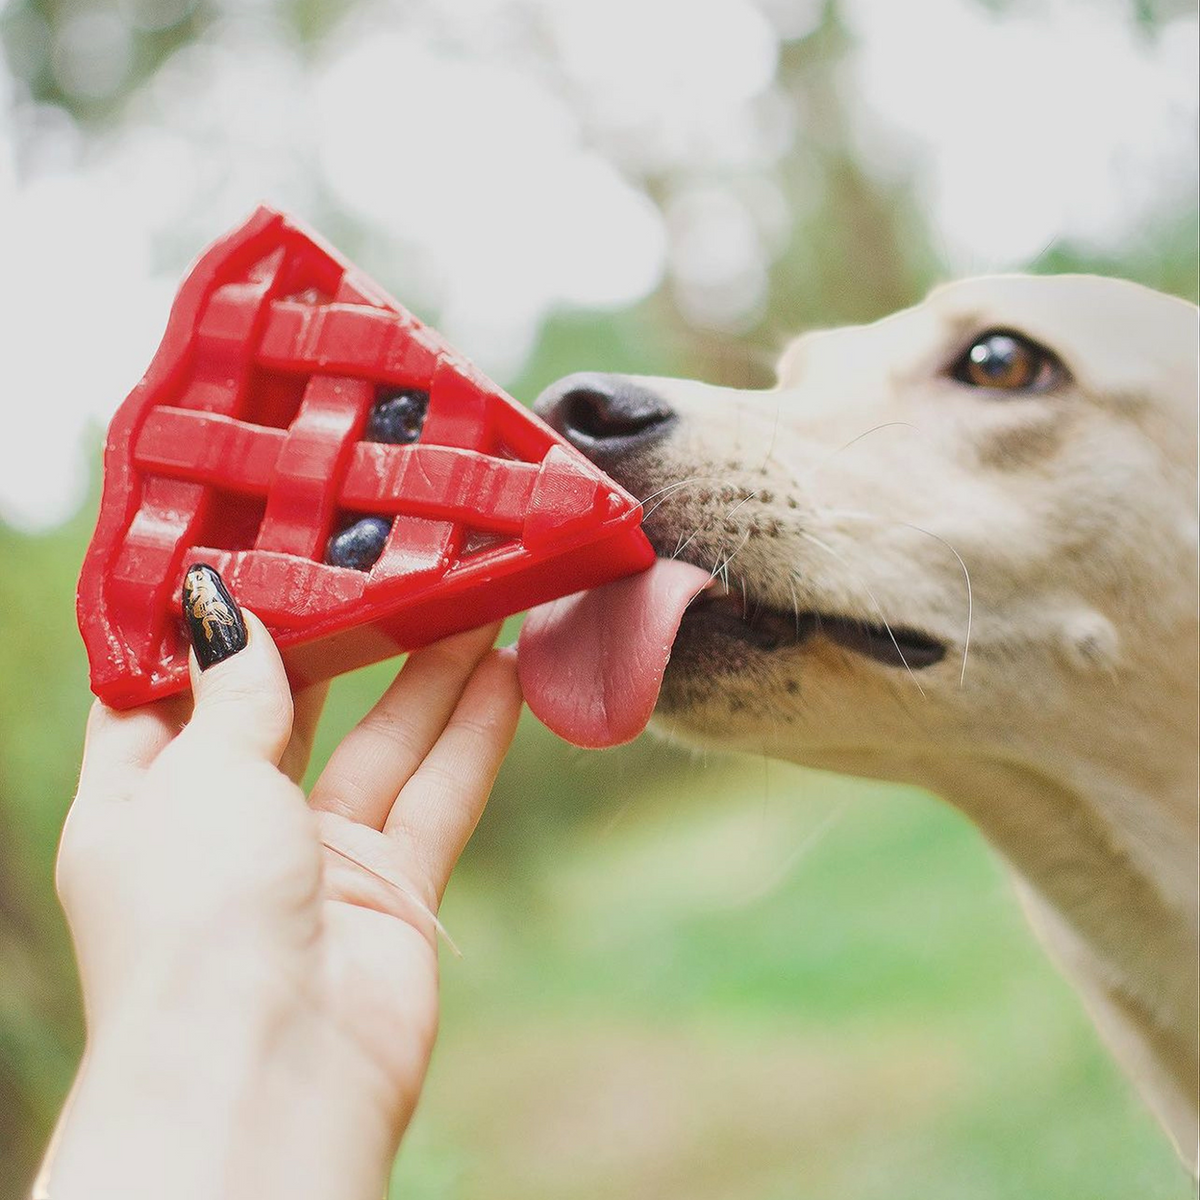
[[1007, 362]]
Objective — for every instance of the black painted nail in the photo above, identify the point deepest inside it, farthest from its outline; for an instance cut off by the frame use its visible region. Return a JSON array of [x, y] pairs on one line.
[[213, 618], [359, 545]]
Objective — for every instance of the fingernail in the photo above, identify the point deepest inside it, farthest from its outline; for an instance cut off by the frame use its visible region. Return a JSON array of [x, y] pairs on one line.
[[213, 618]]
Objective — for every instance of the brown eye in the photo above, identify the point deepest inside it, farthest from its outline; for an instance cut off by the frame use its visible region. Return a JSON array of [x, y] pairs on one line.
[[1007, 362]]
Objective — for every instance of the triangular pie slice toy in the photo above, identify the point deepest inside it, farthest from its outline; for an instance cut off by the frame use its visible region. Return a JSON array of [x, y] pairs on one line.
[[359, 485]]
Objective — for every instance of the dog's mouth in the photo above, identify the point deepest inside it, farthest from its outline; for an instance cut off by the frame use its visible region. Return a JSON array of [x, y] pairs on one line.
[[724, 613], [592, 664]]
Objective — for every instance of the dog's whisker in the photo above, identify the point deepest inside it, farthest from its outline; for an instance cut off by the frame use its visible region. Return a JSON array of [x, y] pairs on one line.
[[737, 550], [722, 567], [865, 433], [683, 544], [864, 516], [666, 492], [795, 603], [397, 886], [1035, 262], [670, 487], [744, 500], [962, 675], [774, 434], [718, 562], [802, 850], [648, 513], [707, 525], [816, 541]]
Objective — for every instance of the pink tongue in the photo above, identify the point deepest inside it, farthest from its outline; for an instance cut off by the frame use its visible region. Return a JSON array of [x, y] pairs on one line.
[[591, 664]]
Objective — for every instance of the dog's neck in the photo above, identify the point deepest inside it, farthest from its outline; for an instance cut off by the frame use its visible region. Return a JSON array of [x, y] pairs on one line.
[[1104, 847]]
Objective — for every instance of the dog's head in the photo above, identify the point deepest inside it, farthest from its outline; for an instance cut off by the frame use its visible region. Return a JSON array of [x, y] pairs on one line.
[[939, 527]]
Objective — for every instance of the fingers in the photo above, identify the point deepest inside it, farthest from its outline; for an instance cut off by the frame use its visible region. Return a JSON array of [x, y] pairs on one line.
[[243, 702], [436, 813], [120, 744], [377, 758], [242, 705]]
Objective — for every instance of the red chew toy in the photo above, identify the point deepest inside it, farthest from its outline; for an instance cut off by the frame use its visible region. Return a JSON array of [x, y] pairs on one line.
[[291, 412]]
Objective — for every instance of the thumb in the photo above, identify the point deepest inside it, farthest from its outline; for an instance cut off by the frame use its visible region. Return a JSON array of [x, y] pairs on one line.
[[243, 702]]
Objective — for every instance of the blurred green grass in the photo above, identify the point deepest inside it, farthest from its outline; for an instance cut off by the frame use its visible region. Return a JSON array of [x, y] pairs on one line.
[[765, 986]]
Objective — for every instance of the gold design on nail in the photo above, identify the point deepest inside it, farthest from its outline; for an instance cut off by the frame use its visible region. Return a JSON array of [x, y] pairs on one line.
[[206, 603]]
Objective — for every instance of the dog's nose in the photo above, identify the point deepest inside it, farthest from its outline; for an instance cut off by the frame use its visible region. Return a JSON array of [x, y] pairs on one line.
[[605, 416]]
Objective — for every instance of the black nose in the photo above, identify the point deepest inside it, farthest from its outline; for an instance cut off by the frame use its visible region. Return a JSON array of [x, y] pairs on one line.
[[604, 415]]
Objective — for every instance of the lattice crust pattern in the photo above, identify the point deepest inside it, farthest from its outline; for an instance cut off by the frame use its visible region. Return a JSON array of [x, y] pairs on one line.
[[244, 447]]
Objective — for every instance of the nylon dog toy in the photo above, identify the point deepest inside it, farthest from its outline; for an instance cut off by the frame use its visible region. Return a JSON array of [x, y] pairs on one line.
[[356, 482]]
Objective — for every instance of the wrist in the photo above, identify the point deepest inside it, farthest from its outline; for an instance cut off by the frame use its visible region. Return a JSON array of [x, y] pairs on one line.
[[218, 1106]]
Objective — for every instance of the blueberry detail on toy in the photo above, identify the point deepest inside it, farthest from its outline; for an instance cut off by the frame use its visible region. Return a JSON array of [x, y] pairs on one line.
[[358, 545], [397, 417]]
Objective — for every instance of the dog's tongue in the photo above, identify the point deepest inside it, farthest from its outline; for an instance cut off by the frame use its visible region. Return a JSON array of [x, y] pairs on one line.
[[591, 664]]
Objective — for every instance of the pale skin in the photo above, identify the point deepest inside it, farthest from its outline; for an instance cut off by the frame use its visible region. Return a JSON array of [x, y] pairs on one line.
[[259, 968]]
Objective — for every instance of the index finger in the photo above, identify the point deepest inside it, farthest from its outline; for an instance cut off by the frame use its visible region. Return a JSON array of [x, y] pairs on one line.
[[438, 809], [118, 744]]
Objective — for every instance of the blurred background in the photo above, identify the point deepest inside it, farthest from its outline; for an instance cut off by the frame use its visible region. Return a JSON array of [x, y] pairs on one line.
[[683, 976]]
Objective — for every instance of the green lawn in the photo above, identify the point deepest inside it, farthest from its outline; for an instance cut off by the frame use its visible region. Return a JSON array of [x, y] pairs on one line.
[[738, 983]]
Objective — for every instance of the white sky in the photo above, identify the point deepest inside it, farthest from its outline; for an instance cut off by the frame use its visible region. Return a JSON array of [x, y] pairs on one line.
[[511, 183]]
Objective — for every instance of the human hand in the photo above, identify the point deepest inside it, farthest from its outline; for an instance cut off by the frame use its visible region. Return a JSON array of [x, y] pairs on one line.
[[260, 972]]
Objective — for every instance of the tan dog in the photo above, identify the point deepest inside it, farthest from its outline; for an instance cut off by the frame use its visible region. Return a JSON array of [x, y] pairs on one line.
[[1013, 462]]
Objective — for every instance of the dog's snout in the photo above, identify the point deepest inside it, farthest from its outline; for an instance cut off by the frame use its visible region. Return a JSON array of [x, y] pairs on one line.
[[604, 415]]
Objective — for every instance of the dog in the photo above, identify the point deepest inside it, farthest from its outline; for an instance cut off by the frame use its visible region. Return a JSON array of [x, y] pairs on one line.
[[957, 548]]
